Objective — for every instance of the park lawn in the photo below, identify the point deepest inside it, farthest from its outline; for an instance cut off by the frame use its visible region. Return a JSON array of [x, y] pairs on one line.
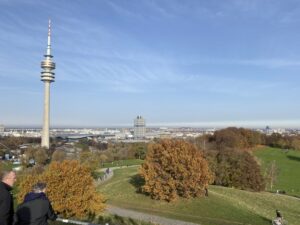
[[126, 162], [224, 206], [288, 163], [6, 165]]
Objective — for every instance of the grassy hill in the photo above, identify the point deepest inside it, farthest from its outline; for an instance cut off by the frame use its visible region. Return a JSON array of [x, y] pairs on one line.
[[126, 162], [224, 206], [288, 163]]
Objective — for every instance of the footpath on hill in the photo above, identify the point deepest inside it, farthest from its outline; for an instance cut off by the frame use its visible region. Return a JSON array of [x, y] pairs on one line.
[[108, 175], [138, 215], [145, 217]]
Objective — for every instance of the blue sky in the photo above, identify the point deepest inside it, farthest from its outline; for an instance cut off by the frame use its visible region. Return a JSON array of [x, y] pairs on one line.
[[201, 63]]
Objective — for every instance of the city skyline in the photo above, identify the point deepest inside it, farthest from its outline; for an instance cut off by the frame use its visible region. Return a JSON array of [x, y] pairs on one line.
[[198, 63]]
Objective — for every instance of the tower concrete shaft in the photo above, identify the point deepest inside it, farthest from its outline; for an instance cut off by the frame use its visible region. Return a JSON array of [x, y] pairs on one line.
[[47, 76], [46, 119]]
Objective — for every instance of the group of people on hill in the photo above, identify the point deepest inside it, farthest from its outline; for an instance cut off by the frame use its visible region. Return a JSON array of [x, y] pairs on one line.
[[36, 208]]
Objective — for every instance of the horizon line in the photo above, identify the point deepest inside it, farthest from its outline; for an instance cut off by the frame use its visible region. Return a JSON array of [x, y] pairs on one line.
[[208, 124]]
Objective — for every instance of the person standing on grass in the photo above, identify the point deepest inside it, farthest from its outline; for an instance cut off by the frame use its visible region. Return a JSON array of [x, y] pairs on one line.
[[8, 179], [278, 220]]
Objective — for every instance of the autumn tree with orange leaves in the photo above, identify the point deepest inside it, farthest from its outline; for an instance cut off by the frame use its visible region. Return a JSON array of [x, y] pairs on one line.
[[70, 188], [174, 168]]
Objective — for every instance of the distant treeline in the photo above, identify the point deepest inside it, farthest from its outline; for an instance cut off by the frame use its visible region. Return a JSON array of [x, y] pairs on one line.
[[241, 138], [12, 143], [228, 152]]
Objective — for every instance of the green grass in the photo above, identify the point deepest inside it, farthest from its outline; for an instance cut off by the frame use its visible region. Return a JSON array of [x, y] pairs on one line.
[[224, 206], [288, 163], [127, 162], [118, 220], [108, 219], [6, 165]]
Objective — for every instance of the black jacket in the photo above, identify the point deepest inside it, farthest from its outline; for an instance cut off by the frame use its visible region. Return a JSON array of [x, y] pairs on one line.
[[35, 210], [6, 204]]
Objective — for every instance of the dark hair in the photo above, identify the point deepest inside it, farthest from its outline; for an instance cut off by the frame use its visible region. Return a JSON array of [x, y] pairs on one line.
[[278, 214], [39, 186]]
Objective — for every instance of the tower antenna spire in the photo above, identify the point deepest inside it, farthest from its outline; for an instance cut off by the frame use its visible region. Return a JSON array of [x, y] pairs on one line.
[[49, 40]]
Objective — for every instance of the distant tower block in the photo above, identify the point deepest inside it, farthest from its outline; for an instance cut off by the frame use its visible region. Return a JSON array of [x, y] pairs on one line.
[[139, 127], [47, 76], [1, 129]]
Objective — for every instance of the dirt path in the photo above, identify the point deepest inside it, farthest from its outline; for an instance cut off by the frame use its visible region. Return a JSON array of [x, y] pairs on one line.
[[145, 217]]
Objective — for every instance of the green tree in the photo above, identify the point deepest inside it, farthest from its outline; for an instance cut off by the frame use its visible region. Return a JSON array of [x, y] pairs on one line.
[[59, 155], [90, 159], [40, 156], [140, 152], [296, 143], [103, 158], [34, 156], [28, 156]]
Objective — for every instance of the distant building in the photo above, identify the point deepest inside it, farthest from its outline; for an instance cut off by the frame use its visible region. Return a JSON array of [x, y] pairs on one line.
[[1, 129], [139, 127], [268, 130]]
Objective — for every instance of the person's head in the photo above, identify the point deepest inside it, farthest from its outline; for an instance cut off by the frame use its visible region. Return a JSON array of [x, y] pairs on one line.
[[8, 177], [278, 214], [39, 187]]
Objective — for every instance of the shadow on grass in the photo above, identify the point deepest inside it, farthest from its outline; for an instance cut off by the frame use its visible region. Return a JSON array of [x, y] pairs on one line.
[[291, 157], [137, 181], [268, 221]]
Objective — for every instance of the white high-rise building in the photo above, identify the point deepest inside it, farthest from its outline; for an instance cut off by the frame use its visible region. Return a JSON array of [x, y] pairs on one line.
[[1, 128], [139, 127], [47, 76]]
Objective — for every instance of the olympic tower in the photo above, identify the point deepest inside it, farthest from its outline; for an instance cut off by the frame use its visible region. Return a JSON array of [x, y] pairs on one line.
[[47, 76]]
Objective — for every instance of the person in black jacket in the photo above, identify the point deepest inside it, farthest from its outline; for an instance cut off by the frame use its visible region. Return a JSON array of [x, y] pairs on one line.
[[36, 208], [8, 179]]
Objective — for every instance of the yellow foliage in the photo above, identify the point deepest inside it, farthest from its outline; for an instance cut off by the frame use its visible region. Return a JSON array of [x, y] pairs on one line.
[[70, 188], [174, 168]]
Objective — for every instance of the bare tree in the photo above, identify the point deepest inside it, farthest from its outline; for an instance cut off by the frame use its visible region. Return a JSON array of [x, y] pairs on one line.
[[271, 174]]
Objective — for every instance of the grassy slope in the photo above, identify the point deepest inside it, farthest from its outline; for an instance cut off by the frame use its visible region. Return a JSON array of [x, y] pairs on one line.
[[288, 163], [127, 162], [224, 206]]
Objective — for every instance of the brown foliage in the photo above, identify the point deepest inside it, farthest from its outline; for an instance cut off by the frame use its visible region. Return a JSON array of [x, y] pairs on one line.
[[236, 169], [174, 168], [236, 138], [39, 155], [58, 155], [70, 188]]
